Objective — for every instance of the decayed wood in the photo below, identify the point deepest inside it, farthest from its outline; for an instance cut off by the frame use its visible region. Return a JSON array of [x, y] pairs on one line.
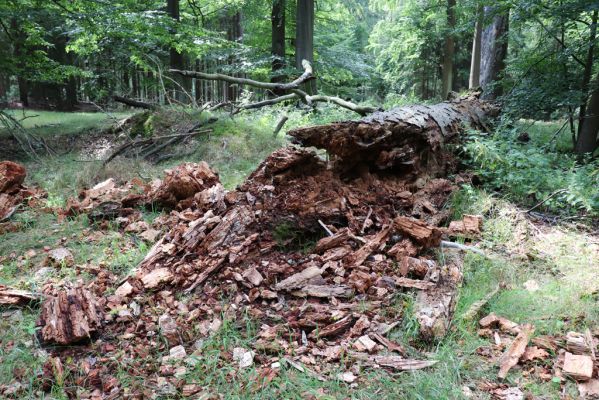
[[334, 328], [12, 297], [424, 234], [377, 241], [12, 176], [299, 279], [70, 316], [579, 343], [392, 346], [414, 283], [323, 291], [330, 242], [415, 267], [578, 367], [434, 308], [504, 324], [469, 225], [396, 362], [512, 355], [405, 137]]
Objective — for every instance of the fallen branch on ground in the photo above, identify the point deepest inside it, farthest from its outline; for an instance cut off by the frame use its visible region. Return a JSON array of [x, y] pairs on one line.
[[134, 103]]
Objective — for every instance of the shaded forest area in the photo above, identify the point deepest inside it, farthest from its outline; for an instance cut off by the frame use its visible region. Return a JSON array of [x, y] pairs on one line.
[[299, 199]]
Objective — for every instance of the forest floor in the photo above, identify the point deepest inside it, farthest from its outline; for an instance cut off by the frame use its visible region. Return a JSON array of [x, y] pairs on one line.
[[547, 263]]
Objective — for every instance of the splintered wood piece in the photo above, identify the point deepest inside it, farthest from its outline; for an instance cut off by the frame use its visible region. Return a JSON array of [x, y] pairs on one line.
[[420, 231], [334, 328], [299, 279], [13, 297], [578, 367], [323, 291], [330, 242], [377, 241], [12, 175], [396, 362], [156, 277], [512, 355], [389, 344], [504, 324], [70, 316], [579, 343], [414, 283], [415, 267], [469, 226]]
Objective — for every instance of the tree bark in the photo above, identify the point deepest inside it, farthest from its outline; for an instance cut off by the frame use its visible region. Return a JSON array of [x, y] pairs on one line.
[[405, 138], [587, 137], [177, 59], [278, 40], [588, 70], [304, 38], [449, 50], [474, 81], [493, 52]]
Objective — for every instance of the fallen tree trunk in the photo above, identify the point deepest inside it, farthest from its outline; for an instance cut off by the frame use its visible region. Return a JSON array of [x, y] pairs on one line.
[[405, 138], [134, 103]]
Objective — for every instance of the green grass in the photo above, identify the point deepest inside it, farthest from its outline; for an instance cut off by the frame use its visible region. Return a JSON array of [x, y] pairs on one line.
[[51, 123]]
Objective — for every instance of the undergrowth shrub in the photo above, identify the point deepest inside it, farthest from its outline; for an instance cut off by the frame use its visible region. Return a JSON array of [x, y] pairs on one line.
[[534, 171]]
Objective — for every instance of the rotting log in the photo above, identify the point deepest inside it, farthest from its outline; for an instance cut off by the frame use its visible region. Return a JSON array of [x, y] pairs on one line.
[[404, 138]]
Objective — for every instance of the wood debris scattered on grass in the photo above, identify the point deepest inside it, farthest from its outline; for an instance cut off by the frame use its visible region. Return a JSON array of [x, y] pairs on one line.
[[263, 248]]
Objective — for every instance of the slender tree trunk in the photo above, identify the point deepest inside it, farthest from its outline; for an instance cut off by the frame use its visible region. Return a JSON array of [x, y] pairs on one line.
[[588, 69], [493, 53], [18, 52], [587, 137], [474, 81], [234, 34], [177, 60], [278, 40], [449, 50], [304, 38]]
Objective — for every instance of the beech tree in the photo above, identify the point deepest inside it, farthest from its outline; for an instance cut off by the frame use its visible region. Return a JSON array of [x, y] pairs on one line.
[[304, 37], [278, 39], [448, 53], [494, 44]]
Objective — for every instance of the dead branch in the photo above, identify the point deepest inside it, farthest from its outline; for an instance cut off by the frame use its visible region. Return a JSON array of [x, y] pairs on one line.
[[306, 76], [293, 86], [134, 103]]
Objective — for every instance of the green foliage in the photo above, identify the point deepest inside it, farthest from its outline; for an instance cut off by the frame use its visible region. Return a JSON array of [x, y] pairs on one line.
[[532, 172]]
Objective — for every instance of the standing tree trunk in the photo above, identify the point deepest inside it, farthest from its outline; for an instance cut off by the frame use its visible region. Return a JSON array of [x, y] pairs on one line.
[[304, 38], [493, 52], [177, 59], [587, 137], [234, 34], [588, 69], [449, 50], [474, 81], [277, 19]]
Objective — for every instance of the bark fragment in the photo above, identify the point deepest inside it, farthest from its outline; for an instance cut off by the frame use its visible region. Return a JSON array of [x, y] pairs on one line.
[[69, 316], [511, 357]]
